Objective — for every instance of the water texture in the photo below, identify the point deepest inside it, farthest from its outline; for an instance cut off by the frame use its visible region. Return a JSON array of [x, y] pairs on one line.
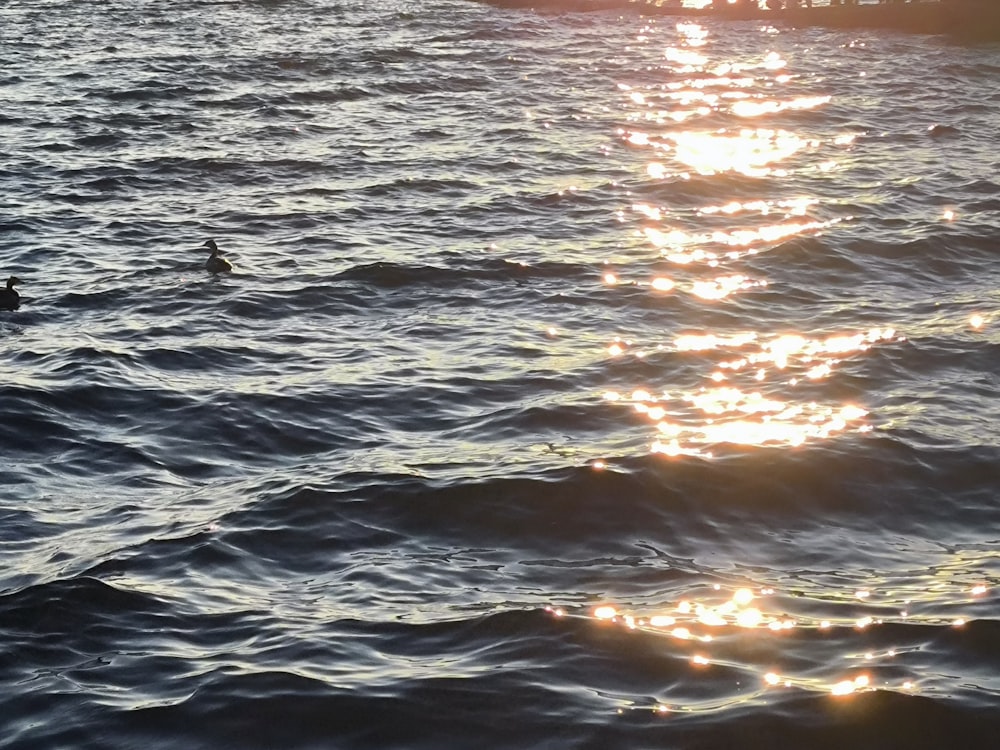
[[583, 380]]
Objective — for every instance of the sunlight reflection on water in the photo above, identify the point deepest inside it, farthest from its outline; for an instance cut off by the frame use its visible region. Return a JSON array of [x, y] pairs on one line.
[[711, 628], [736, 409], [750, 396]]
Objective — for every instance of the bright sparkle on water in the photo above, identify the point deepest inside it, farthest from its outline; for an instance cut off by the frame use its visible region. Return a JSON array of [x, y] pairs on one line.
[[732, 412], [706, 626], [749, 395]]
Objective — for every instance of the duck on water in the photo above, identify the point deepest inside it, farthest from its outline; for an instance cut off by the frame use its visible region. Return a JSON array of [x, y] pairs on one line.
[[9, 298], [215, 263]]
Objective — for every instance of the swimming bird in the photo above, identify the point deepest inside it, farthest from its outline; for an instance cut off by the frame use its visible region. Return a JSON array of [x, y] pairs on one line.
[[9, 298], [216, 263]]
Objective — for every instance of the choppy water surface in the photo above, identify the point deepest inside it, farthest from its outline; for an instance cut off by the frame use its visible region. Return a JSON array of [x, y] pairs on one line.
[[583, 381]]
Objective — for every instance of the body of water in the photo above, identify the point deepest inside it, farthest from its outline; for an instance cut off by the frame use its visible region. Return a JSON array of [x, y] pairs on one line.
[[583, 380]]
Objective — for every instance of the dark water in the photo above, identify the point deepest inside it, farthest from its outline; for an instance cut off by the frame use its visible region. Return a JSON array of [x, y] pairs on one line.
[[583, 382]]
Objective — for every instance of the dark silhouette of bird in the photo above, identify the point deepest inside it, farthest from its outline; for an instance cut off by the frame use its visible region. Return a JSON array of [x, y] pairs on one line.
[[9, 298], [215, 263]]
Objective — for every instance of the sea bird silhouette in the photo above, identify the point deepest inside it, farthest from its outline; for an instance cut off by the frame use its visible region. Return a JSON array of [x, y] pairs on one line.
[[215, 263], [9, 298]]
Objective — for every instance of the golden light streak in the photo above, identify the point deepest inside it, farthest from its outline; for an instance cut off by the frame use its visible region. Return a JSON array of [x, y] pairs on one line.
[[728, 412], [726, 611], [846, 687], [749, 618], [773, 61], [673, 238], [768, 234], [749, 152], [843, 688], [656, 170], [819, 371], [688, 59], [671, 448], [650, 212], [662, 284], [756, 108], [693, 32], [638, 139], [850, 413], [710, 617], [700, 342], [605, 612], [722, 286], [792, 206], [746, 395], [684, 248]]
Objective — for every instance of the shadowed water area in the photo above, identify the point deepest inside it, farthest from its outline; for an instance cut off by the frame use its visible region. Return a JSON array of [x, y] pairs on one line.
[[583, 380]]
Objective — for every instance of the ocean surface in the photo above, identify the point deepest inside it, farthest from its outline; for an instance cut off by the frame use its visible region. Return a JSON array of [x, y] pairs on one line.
[[583, 381]]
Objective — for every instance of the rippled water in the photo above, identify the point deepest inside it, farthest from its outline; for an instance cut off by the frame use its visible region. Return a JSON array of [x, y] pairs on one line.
[[584, 380]]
